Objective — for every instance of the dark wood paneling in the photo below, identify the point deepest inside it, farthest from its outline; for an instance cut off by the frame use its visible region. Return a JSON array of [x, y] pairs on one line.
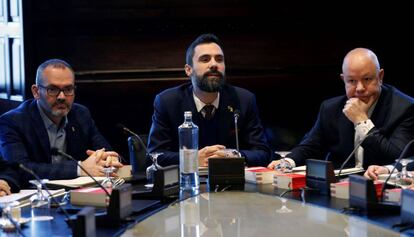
[[126, 51]]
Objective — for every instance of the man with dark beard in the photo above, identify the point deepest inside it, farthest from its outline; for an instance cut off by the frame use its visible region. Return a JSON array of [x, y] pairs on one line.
[[213, 104], [52, 120]]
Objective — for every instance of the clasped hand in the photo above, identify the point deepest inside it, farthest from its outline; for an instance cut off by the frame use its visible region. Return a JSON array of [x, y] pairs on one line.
[[99, 159]]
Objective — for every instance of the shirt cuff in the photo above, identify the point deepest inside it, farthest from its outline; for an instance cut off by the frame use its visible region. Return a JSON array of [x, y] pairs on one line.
[[362, 128], [291, 161], [390, 167], [79, 171]]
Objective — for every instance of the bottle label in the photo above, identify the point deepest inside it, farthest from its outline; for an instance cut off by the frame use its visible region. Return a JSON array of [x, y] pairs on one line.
[[188, 160]]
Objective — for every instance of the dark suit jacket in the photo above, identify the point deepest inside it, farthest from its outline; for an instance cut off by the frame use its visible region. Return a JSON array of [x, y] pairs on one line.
[[332, 136], [24, 139], [169, 108], [10, 174]]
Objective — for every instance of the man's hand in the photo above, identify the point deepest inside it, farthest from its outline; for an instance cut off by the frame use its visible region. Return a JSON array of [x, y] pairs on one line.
[[356, 110], [208, 152], [99, 159], [4, 188], [110, 158], [374, 171], [93, 165], [273, 164]]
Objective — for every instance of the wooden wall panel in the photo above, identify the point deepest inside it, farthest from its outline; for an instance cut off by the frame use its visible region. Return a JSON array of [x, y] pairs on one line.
[[126, 51]]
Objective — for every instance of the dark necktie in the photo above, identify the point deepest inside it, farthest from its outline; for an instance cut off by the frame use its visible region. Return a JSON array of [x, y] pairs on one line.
[[208, 110]]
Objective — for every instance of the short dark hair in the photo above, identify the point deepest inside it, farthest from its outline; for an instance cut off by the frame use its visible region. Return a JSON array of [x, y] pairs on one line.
[[202, 39], [55, 63]]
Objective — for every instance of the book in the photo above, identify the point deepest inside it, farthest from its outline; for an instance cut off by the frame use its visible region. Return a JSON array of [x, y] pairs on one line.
[[259, 175], [90, 196], [289, 181], [346, 171], [341, 189], [393, 195], [125, 172]]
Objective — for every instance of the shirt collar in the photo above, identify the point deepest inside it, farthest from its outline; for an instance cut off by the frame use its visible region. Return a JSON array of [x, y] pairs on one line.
[[200, 104], [46, 120]]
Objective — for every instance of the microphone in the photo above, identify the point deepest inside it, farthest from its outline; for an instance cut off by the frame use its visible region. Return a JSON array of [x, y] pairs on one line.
[[23, 167], [403, 153], [236, 118], [55, 151], [127, 130], [356, 148]]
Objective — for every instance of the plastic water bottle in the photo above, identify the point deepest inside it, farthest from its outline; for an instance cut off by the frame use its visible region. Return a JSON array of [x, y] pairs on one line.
[[188, 138]]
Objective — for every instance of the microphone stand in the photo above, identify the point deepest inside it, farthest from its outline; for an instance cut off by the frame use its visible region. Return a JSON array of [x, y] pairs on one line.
[[236, 132], [127, 130], [403, 153], [355, 149]]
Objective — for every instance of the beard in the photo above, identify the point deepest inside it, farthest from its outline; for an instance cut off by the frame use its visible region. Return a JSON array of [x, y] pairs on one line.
[[60, 112], [212, 84]]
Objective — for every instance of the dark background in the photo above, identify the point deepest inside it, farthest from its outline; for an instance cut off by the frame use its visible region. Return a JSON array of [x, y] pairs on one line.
[[288, 53]]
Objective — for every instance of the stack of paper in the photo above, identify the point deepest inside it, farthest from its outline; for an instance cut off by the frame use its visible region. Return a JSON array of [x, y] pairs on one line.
[[24, 195], [74, 183]]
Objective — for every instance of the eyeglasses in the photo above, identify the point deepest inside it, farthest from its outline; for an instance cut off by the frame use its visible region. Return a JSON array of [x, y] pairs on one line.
[[54, 91]]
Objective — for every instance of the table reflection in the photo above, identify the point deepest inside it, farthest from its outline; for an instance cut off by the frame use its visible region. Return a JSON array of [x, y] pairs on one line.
[[251, 214]]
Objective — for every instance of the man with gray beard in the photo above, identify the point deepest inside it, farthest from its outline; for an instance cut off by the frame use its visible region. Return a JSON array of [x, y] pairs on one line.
[[53, 120], [213, 104]]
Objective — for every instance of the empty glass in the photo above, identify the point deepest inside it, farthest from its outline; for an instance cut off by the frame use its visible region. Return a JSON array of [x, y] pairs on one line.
[[284, 166], [284, 208], [11, 212], [152, 168], [404, 178], [40, 203], [108, 182]]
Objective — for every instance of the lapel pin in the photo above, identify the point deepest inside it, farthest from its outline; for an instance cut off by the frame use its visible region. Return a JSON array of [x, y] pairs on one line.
[[230, 109]]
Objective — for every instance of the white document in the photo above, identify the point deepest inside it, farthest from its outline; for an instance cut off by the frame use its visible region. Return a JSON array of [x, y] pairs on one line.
[[350, 171], [76, 183], [25, 194]]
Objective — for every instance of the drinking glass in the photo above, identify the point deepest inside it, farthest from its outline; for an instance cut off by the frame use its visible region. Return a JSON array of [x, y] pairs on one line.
[[284, 166], [284, 208], [40, 203], [108, 182], [152, 168], [404, 178], [11, 210]]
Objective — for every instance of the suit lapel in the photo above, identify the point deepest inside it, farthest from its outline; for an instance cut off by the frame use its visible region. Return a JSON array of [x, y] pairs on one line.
[[40, 129], [225, 114], [381, 112], [72, 139]]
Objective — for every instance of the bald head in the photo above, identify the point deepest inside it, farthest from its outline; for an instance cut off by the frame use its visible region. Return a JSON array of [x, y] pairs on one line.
[[362, 75], [360, 57]]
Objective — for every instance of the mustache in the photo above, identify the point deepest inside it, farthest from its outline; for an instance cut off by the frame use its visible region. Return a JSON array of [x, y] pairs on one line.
[[61, 102], [213, 73]]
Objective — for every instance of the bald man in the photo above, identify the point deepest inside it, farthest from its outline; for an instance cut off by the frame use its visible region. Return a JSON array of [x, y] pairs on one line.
[[368, 106]]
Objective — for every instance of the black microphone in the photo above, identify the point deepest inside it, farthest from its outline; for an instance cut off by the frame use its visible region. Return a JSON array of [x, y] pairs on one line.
[[403, 153], [23, 167], [236, 132], [56, 151], [371, 132], [127, 130]]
